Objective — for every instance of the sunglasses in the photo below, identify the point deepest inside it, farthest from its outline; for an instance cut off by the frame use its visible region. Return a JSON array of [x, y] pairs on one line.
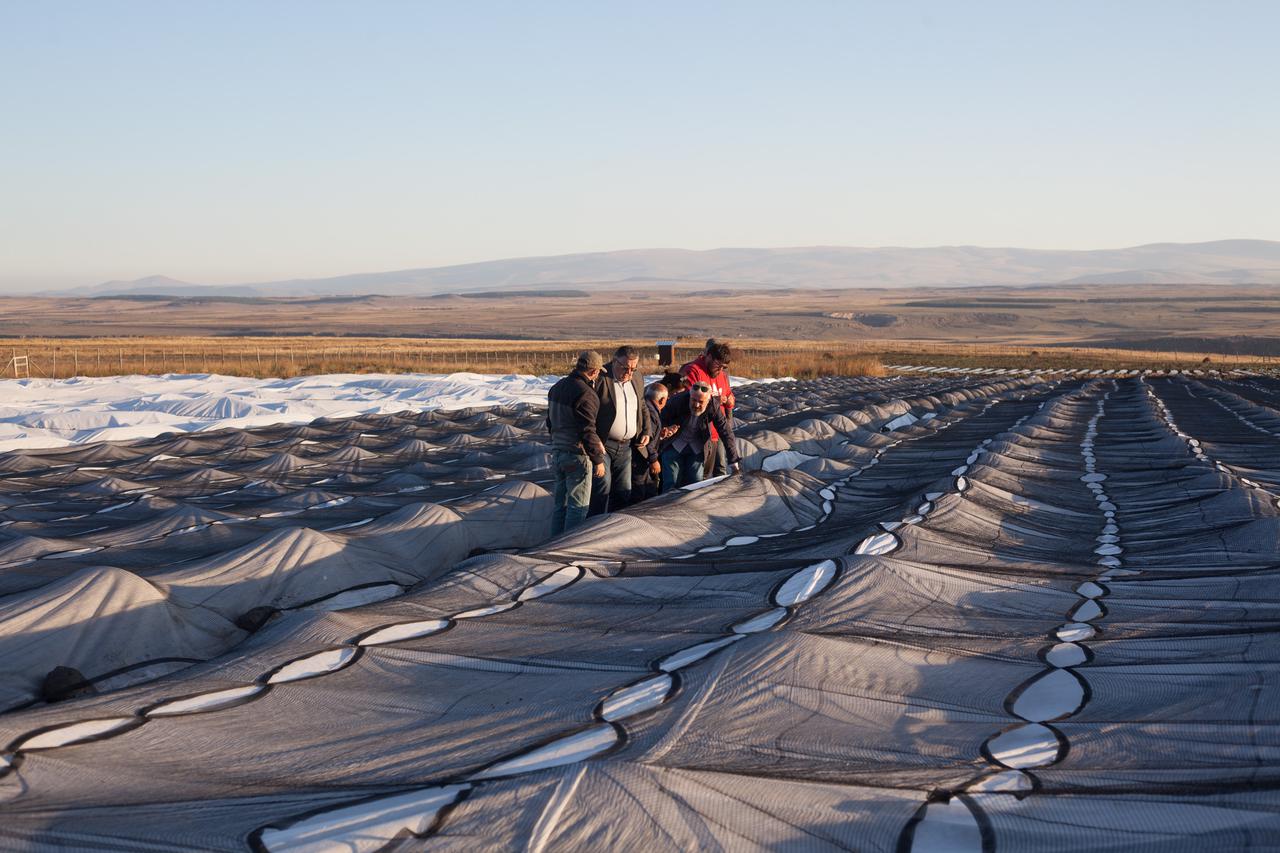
[[700, 386]]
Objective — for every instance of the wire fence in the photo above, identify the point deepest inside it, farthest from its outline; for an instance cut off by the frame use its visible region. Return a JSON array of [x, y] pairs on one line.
[[288, 357]]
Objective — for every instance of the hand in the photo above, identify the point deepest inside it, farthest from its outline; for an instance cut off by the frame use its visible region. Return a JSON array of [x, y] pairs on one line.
[[644, 441], [599, 472], [655, 467], [667, 432], [735, 468]]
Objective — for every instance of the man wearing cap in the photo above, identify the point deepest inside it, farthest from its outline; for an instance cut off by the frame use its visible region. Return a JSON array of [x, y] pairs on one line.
[[620, 424], [712, 368], [687, 421], [576, 450]]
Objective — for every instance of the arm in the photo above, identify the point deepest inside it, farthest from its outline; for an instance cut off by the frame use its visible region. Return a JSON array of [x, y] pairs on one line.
[[655, 438], [673, 418], [724, 425], [586, 408]]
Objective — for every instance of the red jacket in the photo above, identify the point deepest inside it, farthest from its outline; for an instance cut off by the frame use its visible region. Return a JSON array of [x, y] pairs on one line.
[[696, 371]]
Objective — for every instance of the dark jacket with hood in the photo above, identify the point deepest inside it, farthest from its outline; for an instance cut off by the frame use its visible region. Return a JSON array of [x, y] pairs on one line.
[[677, 414], [572, 407], [609, 402]]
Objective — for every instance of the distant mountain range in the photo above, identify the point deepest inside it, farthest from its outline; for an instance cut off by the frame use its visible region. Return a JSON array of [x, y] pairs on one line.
[[1219, 262]]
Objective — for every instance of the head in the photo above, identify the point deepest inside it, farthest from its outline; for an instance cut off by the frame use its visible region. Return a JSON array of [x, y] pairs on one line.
[[589, 364], [657, 394], [719, 355], [625, 361], [699, 397]]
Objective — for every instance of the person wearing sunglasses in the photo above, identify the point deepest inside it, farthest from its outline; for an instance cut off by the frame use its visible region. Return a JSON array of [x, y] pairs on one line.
[[687, 421], [577, 453], [620, 425], [712, 368]]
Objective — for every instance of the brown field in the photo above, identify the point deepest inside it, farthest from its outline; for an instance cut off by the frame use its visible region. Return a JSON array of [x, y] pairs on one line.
[[783, 332], [295, 356]]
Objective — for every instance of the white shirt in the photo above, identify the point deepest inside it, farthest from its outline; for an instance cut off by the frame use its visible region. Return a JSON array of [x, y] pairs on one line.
[[626, 416]]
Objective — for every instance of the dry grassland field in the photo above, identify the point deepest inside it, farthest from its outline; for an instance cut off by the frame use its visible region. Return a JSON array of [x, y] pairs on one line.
[[781, 332]]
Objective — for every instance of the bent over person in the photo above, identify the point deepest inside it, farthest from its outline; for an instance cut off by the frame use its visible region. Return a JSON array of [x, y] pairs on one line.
[[712, 368], [576, 450], [687, 421], [645, 464]]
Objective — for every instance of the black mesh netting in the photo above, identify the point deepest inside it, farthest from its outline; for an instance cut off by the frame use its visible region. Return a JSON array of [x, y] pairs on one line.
[[937, 613]]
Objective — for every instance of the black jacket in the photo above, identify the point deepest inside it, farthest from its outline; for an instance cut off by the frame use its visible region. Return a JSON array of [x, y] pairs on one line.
[[677, 412], [609, 402], [572, 407]]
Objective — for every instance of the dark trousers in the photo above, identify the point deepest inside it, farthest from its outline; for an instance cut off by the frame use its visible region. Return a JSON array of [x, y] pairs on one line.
[[643, 484], [717, 459], [613, 490]]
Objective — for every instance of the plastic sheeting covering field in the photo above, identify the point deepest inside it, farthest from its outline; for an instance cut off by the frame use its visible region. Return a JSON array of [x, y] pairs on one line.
[[935, 613], [54, 413]]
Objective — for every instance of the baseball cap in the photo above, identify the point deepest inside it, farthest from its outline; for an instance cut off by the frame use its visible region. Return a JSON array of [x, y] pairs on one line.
[[590, 360]]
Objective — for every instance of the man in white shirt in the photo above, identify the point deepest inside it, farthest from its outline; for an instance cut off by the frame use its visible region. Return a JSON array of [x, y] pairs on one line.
[[620, 424]]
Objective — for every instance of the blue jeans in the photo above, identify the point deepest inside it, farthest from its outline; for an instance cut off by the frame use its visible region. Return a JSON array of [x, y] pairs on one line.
[[572, 493], [680, 468], [613, 490]]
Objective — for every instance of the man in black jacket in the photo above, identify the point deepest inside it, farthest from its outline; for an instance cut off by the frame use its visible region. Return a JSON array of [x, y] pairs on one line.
[[576, 450], [620, 425], [687, 421]]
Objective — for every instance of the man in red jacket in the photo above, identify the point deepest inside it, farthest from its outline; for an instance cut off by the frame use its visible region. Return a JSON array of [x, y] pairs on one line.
[[712, 367]]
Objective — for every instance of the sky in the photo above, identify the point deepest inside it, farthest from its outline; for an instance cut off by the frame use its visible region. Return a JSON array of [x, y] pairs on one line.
[[221, 142]]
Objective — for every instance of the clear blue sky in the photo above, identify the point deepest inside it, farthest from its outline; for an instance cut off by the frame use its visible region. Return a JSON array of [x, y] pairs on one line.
[[237, 141]]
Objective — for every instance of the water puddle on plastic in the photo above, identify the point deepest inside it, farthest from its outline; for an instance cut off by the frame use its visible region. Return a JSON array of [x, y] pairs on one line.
[[805, 584], [76, 733], [320, 663], [635, 698], [366, 826], [206, 701], [880, 543], [485, 611], [551, 583], [566, 750], [1032, 745], [404, 631], [947, 828], [695, 653], [763, 622], [1066, 654], [1055, 694]]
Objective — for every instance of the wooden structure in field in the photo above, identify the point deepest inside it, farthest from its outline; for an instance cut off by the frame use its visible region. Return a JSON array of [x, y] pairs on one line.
[[20, 365]]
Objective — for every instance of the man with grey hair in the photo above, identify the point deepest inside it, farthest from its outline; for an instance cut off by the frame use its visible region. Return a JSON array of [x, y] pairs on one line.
[[645, 464], [576, 450], [620, 425], [687, 421]]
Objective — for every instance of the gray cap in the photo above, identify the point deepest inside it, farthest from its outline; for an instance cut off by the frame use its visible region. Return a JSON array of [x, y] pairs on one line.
[[590, 360]]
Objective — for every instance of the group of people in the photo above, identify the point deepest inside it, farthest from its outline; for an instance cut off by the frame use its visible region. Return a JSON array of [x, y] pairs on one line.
[[615, 442]]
